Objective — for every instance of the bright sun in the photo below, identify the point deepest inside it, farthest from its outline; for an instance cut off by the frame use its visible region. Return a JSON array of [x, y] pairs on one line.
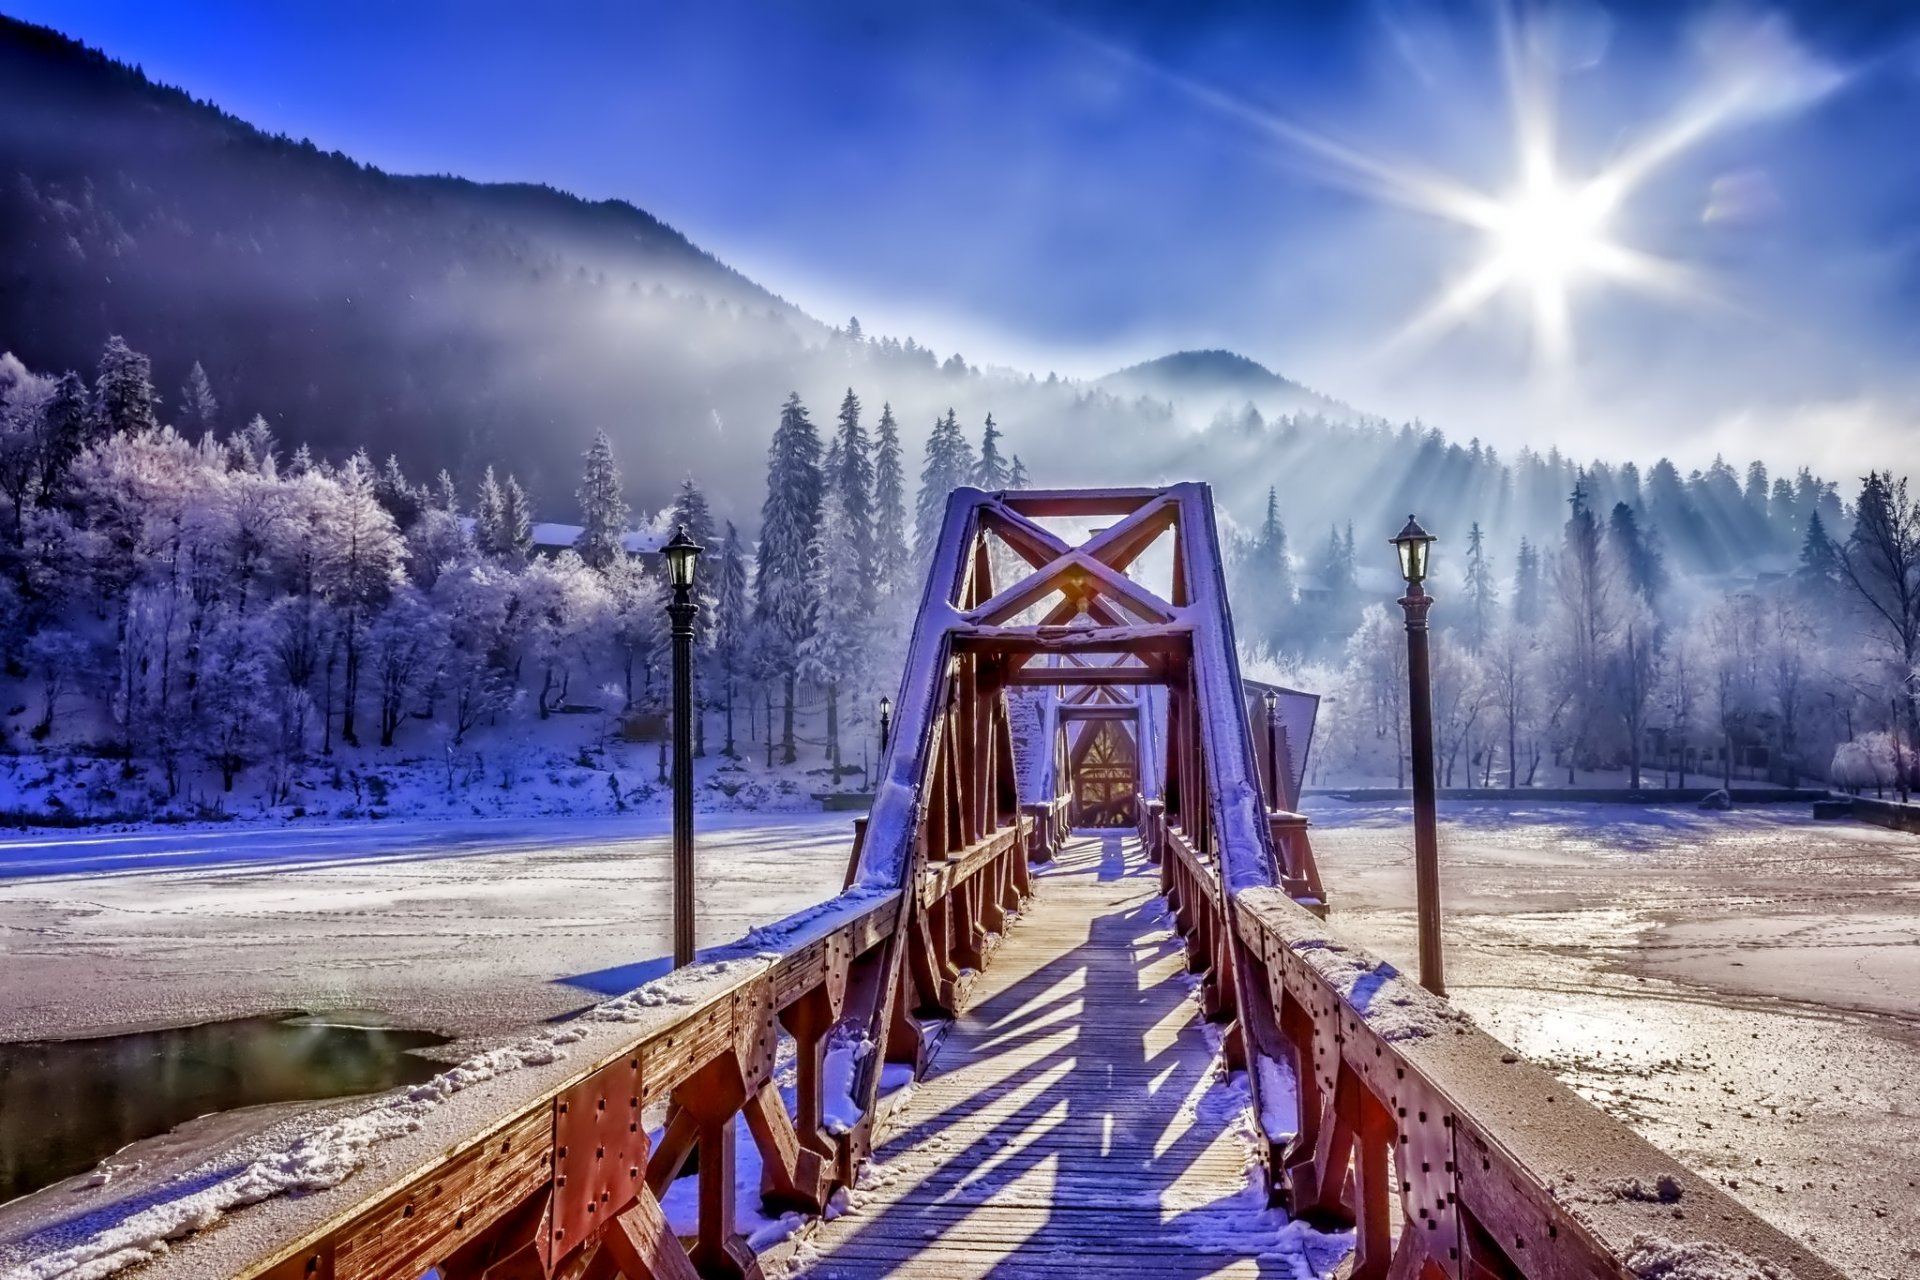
[[1547, 233]]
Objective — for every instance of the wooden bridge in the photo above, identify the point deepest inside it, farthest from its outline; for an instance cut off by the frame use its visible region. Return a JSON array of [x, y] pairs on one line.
[[1126, 1042]]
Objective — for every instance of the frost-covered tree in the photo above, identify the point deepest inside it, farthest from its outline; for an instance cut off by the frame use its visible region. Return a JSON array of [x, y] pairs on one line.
[[402, 501], [490, 516], [949, 465], [199, 409], [1630, 678], [1734, 632], [565, 608], [1513, 664], [691, 511], [232, 707], [637, 626], [1526, 585], [1879, 566], [516, 521], [603, 506], [851, 475], [1483, 591], [404, 647], [360, 559], [892, 565], [1583, 628], [123, 398], [789, 527], [1263, 583], [990, 472], [836, 653], [445, 496], [1017, 474], [731, 625]]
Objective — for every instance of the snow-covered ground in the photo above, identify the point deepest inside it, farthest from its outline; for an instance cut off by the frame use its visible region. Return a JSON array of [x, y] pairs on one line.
[[467, 928], [1742, 988]]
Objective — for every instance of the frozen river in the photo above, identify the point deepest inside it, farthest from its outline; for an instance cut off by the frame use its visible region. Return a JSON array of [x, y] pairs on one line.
[[464, 928], [1742, 988]]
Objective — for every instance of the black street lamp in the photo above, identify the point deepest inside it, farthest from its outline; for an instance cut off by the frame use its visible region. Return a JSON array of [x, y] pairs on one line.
[[681, 552], [1271, 701], [1413, 544], [886, 722]]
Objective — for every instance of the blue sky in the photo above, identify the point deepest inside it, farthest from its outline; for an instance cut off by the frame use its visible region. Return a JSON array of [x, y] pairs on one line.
[[1078, 185]]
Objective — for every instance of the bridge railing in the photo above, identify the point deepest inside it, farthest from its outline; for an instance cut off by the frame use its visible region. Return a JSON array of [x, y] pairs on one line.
[[1404, 1111], [570, 1182]]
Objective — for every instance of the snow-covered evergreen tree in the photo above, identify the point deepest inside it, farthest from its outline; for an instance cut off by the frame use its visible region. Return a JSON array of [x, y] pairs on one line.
[[851, 475], [892, 565], [123, 398], [1017, 474], [1483, 593], [784, 576], [949, 465], [731, 623], [490, 516], [836, 652], [400, 499], [990, 472], [360, 561], [603, 506], [516, 521], [199, 409]]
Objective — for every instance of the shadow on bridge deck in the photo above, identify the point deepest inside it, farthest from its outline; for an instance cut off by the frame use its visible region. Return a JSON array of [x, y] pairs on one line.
[[1074, 1120]]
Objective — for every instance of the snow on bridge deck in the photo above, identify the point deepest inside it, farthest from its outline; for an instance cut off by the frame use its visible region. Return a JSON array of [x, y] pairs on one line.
[[1075, 1118]]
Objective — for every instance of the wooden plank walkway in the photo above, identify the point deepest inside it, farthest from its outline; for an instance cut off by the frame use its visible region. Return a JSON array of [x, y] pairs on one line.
[[1072, 1124]]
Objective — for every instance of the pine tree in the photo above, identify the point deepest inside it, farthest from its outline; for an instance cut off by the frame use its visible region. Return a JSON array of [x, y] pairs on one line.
[[990, 473], [1017, 474], [1267, 580], [1645, 567], [730, 623], [891, 555], [396, 495], [445, 496], [1819, 568], [63, 435], [851, 476], [199, 410], [691, 512], [838, 646], [123, 398], [603, 506], [359, 562], [1526, 585], [789, 524], [490, 516], [948, 466], [1482, 593], [516, 521]]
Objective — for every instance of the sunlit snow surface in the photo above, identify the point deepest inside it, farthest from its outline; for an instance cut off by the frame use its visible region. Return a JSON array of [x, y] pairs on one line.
[[468, 928], [1743, 988]]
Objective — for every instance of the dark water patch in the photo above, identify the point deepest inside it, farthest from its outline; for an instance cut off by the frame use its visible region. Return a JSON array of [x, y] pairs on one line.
[[65, 1105]]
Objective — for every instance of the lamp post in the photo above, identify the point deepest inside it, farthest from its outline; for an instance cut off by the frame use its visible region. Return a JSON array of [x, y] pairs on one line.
[[886, 722], [1271, 701], [681, 552], [1413, 543]]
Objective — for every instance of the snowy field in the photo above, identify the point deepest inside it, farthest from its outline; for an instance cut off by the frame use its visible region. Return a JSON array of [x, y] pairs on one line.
[[1743, 988], [466, 928]]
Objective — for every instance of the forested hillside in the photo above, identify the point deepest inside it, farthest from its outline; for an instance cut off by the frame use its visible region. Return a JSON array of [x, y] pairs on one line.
[[225, 348]]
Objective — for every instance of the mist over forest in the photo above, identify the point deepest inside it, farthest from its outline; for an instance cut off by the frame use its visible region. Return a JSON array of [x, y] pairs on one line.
[[268, 324]]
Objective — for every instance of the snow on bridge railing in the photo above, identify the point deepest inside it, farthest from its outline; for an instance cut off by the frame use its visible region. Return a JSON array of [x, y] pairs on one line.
[[1379, 1093]]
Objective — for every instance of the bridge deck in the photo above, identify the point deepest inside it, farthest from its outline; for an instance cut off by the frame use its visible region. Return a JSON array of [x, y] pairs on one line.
[[1072, 1116]]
